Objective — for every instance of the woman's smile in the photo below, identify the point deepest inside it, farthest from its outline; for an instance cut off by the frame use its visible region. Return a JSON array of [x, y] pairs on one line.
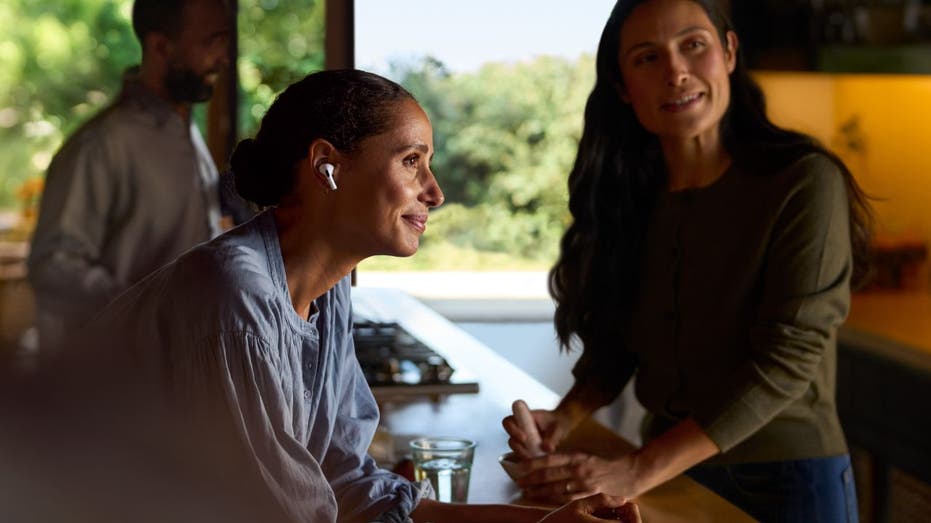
[[418, 222], [683, 103]]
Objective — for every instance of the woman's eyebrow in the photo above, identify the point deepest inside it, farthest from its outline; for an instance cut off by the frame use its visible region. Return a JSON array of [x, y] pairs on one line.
[[422, 147], [683, 32]]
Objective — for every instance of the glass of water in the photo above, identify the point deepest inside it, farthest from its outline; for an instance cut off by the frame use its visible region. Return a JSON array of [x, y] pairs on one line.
[[447, 462]]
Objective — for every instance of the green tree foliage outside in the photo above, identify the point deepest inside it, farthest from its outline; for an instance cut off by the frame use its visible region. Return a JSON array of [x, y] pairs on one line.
[[280, 42], [505, 134], [505, 138], [59, 63], [62, 61]]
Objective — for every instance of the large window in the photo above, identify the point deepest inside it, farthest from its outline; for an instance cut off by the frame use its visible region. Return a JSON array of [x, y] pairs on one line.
[[504, 84], [280, 42], [59, 66]]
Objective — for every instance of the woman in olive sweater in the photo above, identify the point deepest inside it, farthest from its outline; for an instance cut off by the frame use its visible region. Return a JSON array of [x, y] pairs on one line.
[[712, 253]]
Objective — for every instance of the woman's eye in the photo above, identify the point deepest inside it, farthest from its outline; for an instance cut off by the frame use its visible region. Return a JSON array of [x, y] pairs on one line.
[[694, 44], [411, 161], [644, 58]]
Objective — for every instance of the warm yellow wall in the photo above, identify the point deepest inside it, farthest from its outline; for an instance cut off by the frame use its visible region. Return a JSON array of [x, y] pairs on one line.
[[895, 115], [894, 127], [801, 101]]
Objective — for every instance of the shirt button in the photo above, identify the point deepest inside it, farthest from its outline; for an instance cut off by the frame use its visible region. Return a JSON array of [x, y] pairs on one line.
[[306, 394]]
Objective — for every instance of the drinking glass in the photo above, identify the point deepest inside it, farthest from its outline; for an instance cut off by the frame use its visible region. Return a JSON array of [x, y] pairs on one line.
[[447, 462]]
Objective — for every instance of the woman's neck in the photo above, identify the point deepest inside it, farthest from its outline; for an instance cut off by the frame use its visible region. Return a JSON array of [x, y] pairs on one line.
[[694, 163], [312, 263]]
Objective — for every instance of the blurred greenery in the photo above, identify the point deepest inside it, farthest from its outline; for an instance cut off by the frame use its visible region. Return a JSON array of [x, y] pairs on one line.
[[280, 42], [61, 62], [505, 134], [58, 65], [505, 138]]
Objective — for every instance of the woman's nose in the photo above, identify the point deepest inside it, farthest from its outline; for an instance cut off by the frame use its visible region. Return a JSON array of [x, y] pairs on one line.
[[676, 70], [432, 196]]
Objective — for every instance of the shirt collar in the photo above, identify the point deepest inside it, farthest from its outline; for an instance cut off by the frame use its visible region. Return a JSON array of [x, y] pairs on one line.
[[136, 93]]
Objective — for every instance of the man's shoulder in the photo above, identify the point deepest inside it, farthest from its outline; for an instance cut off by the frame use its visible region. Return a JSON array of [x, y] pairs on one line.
[[109, 130]]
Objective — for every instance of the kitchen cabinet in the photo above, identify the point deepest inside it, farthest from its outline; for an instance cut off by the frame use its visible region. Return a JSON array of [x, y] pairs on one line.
[[838, 36], [883, 386]]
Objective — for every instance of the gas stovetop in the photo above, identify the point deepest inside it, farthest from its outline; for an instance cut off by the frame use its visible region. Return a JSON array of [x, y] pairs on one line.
[[395, 363]]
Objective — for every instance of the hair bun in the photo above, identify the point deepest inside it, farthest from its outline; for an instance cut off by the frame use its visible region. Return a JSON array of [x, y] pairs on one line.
[[245, 163]]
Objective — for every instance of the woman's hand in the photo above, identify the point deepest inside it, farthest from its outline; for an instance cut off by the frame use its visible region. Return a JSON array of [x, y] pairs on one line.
[[561, 478], [568, 476], [553, 427], [599, 507]]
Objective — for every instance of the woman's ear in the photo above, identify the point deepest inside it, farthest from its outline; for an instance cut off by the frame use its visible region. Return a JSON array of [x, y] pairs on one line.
[[730, 50], [322, 153]]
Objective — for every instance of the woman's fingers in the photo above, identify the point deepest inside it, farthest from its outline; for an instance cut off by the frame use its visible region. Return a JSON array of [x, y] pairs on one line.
[[559, 492], [552, 468], [556, 478], [605, 506], [519, 448], [550, 433], [518, 439], [627, 512], [596, 508], [511, 427]]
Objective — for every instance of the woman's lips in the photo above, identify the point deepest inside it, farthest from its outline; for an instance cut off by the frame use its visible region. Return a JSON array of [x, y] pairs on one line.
[[683, 103], [417, 221]]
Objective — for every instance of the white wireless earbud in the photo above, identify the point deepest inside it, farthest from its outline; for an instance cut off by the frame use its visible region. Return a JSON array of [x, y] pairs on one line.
[[326, 169]]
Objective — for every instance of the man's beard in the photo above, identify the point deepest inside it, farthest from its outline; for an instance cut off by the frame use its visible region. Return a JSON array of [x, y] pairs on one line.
[[186, 86]]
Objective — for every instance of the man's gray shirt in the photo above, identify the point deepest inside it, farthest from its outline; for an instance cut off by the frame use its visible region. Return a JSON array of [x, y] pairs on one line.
[[128, 192]]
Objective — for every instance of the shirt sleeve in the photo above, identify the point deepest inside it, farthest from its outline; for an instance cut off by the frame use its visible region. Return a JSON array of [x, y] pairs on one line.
[[64, 262], [364, 491], [806, 296], [235, 374]]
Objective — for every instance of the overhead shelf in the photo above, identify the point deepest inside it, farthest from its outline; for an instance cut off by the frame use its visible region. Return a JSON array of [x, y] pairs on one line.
[[896, 59]]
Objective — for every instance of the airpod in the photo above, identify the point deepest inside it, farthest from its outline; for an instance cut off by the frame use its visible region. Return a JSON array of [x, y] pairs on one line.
[[326, 169]]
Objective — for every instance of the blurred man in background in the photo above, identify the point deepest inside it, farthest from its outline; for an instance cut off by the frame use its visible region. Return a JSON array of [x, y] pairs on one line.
[[135, 186]]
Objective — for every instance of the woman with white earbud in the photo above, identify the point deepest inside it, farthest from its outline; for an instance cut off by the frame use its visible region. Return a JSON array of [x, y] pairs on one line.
[[256, 324]]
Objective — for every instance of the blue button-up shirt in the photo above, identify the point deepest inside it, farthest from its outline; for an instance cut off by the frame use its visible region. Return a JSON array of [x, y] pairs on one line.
[[219, 322]]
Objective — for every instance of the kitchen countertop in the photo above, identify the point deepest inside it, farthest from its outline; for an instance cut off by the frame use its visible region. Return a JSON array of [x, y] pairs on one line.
[[478, 416], [896, 324]]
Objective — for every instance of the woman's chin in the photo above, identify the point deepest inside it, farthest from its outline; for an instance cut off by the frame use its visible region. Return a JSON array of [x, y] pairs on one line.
[[400, 251], [408, 251]]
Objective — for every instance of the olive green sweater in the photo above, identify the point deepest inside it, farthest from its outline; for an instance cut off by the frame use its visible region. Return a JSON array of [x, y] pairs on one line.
[[743, 286]]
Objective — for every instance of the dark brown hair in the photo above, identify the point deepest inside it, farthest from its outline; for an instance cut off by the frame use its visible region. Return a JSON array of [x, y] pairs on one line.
[[619, 169], [340, 106]]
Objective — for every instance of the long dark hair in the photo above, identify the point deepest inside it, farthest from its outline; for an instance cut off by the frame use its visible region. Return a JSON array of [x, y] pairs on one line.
[[618, 172]]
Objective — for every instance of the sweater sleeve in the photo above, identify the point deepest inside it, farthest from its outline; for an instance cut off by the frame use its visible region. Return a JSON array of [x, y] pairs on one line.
[[806, 296]]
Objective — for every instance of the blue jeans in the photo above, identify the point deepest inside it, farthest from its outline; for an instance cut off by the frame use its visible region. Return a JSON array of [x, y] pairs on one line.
[[819, 490]]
